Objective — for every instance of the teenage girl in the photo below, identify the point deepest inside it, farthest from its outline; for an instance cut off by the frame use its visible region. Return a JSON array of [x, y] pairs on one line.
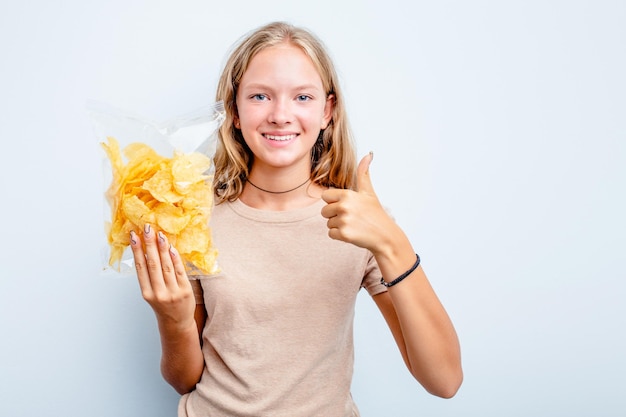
[[299, 231]]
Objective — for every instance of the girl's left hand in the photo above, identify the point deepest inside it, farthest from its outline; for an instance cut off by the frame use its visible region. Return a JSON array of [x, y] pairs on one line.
[[357, 217]]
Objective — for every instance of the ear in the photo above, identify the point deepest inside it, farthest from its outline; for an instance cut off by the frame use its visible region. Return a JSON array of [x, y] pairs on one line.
[[236, 122], [329, 108]]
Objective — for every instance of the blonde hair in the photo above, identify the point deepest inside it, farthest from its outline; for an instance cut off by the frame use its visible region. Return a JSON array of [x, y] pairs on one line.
[[333, 158]]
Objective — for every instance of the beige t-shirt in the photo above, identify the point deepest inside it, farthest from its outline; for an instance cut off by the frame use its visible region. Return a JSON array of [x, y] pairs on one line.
[[278, 340]]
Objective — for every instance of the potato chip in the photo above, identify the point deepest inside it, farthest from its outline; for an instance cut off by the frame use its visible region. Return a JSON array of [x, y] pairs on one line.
[[195, 238], [171, 193], [188, 170], [161, 187], [170, 218], [197, 198], [112, 150], [135, 210]]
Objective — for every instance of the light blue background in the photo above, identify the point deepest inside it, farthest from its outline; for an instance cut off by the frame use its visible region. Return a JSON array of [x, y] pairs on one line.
[[499, 134]]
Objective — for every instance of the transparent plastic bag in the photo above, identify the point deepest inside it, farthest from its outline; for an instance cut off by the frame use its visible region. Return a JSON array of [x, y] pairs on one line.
[[157, 173]]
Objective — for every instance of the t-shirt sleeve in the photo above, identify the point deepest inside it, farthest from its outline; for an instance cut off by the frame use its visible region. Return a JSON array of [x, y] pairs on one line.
[[371, 278]]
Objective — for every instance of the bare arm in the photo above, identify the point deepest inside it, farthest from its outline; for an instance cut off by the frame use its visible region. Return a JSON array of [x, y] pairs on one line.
[[165, 286], [423, 332], [417, 319]]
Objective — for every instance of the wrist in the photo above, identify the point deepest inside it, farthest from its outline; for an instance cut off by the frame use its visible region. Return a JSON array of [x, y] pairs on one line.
[[401, 277], [393, 247], [396, 260], [176, 327]]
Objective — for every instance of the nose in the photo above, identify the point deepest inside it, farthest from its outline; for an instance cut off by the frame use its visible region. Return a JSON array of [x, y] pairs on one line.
[[280, 113]]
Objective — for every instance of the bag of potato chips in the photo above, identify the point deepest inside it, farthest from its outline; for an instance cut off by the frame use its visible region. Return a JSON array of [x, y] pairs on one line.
[[158, 173]]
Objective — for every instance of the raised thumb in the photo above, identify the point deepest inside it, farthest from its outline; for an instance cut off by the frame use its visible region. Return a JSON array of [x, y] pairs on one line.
[[363, 180]]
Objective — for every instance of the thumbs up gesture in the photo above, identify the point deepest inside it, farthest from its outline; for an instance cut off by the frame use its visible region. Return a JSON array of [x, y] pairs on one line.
[[357, 217]]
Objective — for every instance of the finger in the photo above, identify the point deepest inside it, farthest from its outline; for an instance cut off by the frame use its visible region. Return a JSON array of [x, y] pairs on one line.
[[336, 233], [179, 268], [329, 210], [336, 222], [332, 195], [140, 263], [363, 180], [173, 268], [165, 257], [153, 260]]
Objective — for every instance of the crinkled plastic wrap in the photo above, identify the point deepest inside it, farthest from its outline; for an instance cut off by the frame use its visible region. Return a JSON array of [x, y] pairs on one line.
[[161, 174]]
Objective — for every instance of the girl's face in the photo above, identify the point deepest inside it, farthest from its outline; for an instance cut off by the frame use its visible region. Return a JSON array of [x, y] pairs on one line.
[[282, 107]]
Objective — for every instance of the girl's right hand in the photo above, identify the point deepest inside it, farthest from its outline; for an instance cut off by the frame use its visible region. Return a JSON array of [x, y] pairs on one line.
[[163, 280]]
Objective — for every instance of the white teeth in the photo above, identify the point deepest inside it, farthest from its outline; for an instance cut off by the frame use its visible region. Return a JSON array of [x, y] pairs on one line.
[[280, 138]]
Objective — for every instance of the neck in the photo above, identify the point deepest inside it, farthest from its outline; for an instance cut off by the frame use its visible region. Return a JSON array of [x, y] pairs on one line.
[[296, 196], [277, 192]]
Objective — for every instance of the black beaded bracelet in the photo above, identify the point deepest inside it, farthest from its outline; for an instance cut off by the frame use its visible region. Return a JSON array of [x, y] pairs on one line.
[[401, 277]]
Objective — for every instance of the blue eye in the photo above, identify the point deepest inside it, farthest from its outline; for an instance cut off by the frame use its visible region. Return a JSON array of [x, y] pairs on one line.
[[303, 97], [259, 97]]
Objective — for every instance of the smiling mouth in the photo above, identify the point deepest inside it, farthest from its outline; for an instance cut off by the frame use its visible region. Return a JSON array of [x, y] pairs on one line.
[[280, 138]]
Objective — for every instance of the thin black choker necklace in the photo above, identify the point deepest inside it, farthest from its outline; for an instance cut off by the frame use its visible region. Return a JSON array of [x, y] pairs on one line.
[[277, 192]]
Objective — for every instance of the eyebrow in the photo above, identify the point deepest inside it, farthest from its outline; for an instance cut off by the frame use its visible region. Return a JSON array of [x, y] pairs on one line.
[[268, 87]]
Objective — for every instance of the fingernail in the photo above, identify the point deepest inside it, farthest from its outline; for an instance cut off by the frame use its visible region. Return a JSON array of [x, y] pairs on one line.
[[161, 237], [173, 251], [371, 155], [146, 229], [133, 238]]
